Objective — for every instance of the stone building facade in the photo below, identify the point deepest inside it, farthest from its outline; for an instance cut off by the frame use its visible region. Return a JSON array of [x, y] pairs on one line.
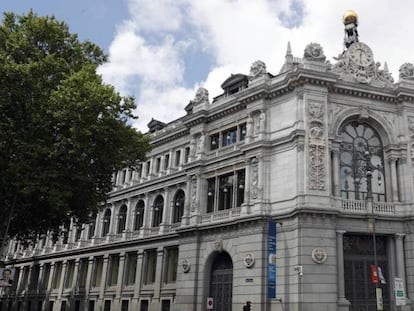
[[190, 229]]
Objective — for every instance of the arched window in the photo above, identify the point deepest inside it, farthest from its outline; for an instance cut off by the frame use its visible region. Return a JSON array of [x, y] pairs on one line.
[[139, 215], [122, 215], [178, 208], [157, 211], [106, 222], [361, 151]]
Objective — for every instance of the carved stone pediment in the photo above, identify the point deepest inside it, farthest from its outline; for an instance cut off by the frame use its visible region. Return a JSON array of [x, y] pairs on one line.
[[357, 64]]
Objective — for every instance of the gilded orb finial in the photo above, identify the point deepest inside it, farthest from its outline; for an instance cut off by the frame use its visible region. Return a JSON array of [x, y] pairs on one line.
[[349, 17]]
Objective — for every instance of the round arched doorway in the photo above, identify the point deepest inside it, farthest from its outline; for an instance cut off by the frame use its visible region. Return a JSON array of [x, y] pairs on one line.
[[221, 282]]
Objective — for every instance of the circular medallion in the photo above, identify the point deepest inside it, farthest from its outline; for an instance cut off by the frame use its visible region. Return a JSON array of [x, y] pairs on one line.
[[319, 255]]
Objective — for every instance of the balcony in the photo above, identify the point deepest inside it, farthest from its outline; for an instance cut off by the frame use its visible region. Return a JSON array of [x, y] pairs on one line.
[[360, 207], [221, 215]]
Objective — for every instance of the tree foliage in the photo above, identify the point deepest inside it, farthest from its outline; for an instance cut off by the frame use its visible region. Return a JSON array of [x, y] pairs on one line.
[[63, 132]]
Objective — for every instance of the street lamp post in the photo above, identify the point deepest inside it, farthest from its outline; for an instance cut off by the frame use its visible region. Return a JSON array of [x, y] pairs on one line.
[[370, 207]]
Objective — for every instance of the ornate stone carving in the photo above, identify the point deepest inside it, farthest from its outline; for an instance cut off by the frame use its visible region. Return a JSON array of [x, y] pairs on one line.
[[319, 255], [257, 69], [334, 111], [201, 97], [406, 71], [186, 265], [248, 260], [194, 203], [255, 179], [201, 140], [351, 66], [317, 171], [314, 52], [317, 149]]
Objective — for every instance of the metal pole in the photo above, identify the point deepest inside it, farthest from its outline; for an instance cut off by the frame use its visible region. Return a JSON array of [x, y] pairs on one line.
[[370, 206]]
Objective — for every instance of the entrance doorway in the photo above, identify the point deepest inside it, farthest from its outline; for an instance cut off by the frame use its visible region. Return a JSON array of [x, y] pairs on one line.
[[221, 282], [358, 258]]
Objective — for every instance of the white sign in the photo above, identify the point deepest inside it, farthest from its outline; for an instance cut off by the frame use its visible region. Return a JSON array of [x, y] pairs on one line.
[[380, 303], [210, 303], [399, 292], [6, 277]]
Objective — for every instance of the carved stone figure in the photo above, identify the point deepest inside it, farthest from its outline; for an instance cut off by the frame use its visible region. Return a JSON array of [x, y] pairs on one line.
[[255, 179], [257, 70], [316, 111], [407, 71], [314, 52], [201, 144], [201, 97]]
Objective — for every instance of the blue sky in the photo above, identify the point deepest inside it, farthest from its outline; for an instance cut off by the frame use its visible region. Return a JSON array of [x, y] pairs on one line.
[[161, 51]]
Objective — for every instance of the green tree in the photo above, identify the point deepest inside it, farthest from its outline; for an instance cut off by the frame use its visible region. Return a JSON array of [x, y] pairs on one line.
[[63, 132]]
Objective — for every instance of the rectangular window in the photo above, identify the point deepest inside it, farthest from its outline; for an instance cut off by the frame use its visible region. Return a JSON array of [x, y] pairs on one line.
[[34, 278], [214, 141], [123, 177], [226, 184], [107, 305], [91, 232], [157, 165], [150, 266], [77, 305], [131, 268], [165, 305], [211, 190], [62, 306], [97, 271], [240, 187], [148, 168], [124, 305], [177, 158], [229, 136], [144, 305], [57, 275], [166, 161], [171, 264], [186, 154], [91, 305], [139, 170], [113, 270], [83, 272], [242, 131], [78, 232], [46, 275], [70, 270]]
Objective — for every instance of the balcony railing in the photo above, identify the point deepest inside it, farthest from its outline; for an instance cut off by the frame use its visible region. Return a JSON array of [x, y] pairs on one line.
[[360, 206], [221, 215]]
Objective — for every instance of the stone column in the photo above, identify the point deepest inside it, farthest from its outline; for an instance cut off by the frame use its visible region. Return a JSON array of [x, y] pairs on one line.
[[62, 279], [89, 276], [52, 274], [245, 207], [138, 278], [147, 216], [119, 282], [187, 203], [158, 273], [39, 286], [394, 181], [335, 168], [74, 284], [343, 303], [103, 283], [165, 211]]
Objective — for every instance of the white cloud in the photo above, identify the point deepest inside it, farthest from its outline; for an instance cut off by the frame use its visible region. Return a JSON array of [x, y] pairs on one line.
[[147, 56]]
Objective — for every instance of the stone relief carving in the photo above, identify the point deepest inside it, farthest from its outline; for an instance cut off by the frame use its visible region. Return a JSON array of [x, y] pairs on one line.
[[314, 52], [406, 71], [334, 111], [257, 69], [255, 179], [201, 140], [194, 203], [201, 97], [319, 255], [249, 126], [349, 71], [317, 148]]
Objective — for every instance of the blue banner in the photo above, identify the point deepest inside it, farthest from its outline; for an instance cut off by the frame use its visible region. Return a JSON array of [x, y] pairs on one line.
[[271, 264]]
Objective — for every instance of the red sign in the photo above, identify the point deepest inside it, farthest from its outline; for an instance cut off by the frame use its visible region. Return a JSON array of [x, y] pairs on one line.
[[374, 274]]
